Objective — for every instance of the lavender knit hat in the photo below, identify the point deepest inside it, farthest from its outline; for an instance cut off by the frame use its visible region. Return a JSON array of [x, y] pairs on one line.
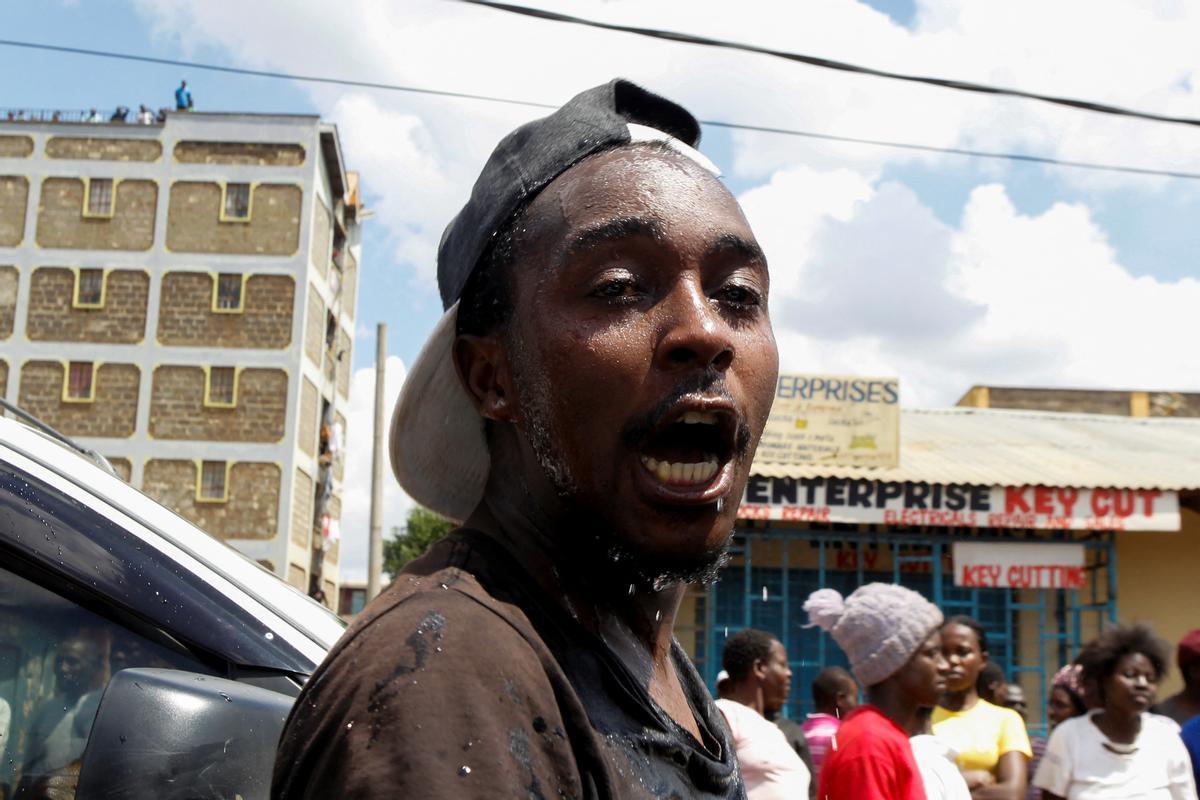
[[879, 626]]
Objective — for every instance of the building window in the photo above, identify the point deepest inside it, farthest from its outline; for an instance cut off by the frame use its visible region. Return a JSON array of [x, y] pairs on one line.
[[331, 326], [212, 481], [98, 198], [229, 292], [80, 383], [89, 288], [236, 205], [222, 387]]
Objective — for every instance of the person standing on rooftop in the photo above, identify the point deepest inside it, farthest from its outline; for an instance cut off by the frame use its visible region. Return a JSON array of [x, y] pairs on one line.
[[589, 405], [183, 97]]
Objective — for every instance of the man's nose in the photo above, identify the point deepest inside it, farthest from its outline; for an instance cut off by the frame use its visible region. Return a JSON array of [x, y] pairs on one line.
[[694, 332]]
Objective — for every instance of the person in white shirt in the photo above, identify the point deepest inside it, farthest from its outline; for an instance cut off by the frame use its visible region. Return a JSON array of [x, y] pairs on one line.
[[758, 686], [935, 759], [1119, 751]]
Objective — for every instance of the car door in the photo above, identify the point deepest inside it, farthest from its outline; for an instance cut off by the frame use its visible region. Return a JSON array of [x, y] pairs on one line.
[[85, 591]]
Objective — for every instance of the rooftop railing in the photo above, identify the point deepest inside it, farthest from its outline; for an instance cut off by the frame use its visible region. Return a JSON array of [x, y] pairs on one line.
[[119, 116]]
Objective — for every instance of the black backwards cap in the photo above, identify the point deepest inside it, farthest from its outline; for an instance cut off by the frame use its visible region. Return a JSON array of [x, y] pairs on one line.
[[438, 449], [536, 153]]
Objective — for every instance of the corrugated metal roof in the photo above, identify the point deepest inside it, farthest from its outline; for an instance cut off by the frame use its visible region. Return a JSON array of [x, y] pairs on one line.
[[992, 447]]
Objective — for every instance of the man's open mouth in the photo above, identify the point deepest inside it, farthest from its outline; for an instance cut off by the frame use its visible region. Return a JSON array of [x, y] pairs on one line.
[[688, 451]]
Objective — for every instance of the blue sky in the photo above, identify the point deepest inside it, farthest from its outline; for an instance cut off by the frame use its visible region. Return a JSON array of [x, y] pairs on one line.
[[1151, 226], [941, 270]]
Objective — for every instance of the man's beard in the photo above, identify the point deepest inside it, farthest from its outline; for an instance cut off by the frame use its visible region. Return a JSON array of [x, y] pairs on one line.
[[584, 534]]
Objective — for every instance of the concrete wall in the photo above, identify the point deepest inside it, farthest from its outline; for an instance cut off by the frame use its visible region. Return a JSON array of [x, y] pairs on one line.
[[52, 316], [177, 409], [250, 512], [194, 222], [61, 223], [1156, 583], [93, 148], [14, 194], [9, 281], [112, 414], [15, 146], [187, 317], [259, 154]]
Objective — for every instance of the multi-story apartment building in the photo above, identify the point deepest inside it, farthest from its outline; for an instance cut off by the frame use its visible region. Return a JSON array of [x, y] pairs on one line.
[[180, 297]]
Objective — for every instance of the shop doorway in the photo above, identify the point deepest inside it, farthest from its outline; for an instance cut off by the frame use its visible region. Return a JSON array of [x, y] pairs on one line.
[[1031, 632]]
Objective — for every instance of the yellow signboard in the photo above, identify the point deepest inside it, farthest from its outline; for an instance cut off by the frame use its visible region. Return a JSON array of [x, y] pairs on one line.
[[836, 420]]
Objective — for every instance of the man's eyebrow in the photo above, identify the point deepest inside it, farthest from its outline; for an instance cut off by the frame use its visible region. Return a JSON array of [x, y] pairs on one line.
[[613, 230], [733, 244]]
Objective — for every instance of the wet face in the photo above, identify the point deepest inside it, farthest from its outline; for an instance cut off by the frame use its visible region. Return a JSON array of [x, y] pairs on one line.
[[777, 680], [960, 646], [643, 364], [1132, 685], [1059, 707], [923, 678]]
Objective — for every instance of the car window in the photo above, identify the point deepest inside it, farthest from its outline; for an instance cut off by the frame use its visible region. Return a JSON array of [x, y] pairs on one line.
[[56, 657]]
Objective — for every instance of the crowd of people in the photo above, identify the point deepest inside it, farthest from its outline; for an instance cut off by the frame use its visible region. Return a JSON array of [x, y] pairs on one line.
[[145, 114], [940, 722]]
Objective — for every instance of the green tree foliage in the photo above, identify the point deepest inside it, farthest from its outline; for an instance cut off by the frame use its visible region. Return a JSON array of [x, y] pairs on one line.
[[422, 529]]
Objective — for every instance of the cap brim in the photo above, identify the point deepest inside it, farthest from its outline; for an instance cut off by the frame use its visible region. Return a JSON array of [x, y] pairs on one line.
[[437, 446]]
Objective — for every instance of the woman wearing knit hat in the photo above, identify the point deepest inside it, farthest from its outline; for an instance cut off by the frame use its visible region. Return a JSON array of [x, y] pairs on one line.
[[891, 635]]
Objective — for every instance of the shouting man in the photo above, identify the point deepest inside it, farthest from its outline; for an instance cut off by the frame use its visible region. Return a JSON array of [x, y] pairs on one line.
[[589, 407]]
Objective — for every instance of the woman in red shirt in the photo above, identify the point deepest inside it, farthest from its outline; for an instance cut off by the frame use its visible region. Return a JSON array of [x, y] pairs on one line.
[[892, 638]]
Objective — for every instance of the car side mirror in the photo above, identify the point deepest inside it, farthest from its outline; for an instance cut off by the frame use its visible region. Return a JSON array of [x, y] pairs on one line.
[[182, 736]]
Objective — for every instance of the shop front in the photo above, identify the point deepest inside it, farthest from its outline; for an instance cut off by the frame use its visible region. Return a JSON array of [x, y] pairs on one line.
[[1028, 538]]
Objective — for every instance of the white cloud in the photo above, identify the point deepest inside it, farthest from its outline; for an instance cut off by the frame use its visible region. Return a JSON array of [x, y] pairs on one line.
[[356, 489], [1003, 298], [865, 277]]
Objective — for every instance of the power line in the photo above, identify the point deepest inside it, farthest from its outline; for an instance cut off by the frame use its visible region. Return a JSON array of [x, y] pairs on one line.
[[827, 63], [1018, 157]]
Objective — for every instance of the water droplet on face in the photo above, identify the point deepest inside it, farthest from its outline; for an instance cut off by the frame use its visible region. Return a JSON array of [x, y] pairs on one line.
[[764, 594], [631, 590], [720, 504], [349, 724], [444, 586], [657, 616], [464, 770]]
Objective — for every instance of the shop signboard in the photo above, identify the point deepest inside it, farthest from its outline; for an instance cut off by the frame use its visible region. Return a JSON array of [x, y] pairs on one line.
[[840, 420], [1004, 565], [859, 500]]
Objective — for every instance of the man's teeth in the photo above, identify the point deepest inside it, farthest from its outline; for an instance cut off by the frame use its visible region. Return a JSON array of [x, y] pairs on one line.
[[698, 418], [668, 472]]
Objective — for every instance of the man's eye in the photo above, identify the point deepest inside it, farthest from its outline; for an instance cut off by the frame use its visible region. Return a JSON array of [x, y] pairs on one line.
[[740, 297], [616, 289]]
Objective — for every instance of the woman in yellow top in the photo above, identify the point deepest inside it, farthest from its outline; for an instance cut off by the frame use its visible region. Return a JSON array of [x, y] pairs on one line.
[[992, 743]]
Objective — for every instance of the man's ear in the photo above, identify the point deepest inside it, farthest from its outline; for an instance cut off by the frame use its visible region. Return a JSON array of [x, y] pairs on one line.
[[760, 668], [482, 365]]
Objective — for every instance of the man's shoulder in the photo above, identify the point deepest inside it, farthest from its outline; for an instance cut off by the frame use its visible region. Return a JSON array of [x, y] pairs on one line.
[[444, 598]]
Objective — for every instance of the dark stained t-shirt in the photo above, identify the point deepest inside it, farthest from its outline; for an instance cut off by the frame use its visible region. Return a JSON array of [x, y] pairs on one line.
[[464, 680]]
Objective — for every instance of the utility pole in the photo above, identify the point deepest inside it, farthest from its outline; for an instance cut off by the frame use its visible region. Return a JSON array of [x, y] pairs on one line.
[[375, 553]]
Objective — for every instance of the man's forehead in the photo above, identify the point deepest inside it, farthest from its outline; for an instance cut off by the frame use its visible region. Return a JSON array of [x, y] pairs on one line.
[[631, 191]]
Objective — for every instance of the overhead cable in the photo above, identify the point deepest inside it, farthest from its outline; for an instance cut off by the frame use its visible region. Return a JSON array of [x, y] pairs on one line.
[[392, 87], [828, 63]]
